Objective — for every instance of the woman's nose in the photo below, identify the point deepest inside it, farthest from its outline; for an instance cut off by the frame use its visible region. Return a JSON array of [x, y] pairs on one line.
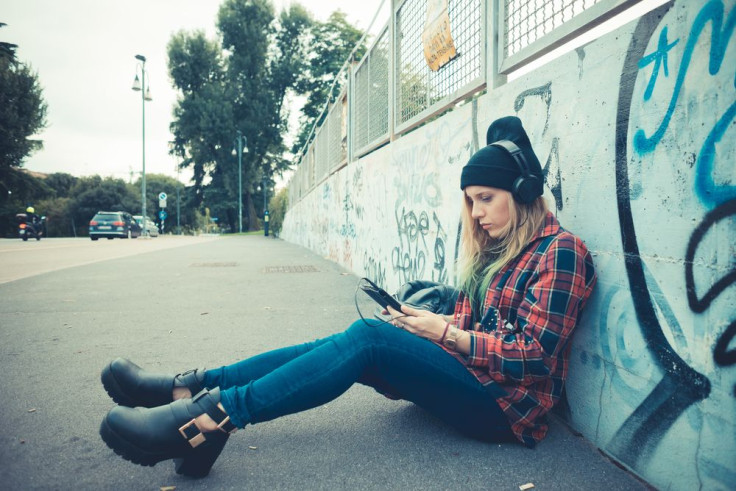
[[476, 211]]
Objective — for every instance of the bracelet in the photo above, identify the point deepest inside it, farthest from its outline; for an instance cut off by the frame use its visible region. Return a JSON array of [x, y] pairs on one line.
[[442, 339]]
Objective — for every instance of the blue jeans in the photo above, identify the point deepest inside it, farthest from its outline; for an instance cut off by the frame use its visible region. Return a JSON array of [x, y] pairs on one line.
[[391, 360]]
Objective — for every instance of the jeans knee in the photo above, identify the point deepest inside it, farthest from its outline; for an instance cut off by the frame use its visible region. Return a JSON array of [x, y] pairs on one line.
[[362, 329], [374, 332]]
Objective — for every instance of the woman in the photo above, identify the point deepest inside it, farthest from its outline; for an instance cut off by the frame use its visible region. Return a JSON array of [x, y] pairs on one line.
[[500, 361]]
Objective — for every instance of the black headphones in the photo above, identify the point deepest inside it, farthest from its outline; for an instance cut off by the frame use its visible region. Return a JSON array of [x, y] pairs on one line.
[[527, 187]]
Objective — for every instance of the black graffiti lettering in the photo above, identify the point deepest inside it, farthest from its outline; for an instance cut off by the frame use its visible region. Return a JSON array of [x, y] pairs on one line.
[[544, 92], [409, 268], [554, 179], [721, 354], [374, 270], [408, 258], [699, 305], [439, 273]]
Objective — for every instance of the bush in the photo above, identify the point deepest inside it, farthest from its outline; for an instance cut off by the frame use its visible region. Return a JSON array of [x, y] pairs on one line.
[[277, 210]]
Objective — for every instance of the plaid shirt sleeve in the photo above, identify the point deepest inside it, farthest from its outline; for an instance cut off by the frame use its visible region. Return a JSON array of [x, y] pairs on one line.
[[529, 350]]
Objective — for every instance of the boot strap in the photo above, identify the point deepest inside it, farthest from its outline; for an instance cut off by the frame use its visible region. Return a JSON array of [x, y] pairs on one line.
[[193, 435], [191, 379]]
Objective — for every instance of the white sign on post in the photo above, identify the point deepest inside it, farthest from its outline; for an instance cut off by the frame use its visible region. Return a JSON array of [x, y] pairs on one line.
[[162, 200]]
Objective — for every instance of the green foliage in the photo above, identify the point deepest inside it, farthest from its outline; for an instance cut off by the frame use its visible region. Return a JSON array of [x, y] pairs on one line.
[[331, 44], [61, 183], [56, 206], [239, 85], [18, 190], [194, 61], [277, 209], [69, 202], [93, 194], [59, 220], [22, 114]]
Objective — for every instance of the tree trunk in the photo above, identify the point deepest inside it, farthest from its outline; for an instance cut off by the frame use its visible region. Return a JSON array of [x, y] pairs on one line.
[[250, 212]]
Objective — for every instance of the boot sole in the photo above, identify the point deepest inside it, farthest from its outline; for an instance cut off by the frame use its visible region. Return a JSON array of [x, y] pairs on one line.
[[127, 450], [197, 463]]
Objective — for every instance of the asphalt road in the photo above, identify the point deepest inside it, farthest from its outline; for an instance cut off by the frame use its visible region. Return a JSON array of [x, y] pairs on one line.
[[67, 307]]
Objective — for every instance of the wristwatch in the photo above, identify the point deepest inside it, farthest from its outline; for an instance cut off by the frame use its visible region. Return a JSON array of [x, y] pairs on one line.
[[451, 339]]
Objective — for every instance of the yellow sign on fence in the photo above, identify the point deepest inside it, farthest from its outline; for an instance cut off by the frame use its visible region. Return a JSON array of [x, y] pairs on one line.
[[439, 48]]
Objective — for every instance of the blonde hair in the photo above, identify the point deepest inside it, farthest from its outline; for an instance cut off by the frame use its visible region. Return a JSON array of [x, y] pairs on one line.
[[481, 256]]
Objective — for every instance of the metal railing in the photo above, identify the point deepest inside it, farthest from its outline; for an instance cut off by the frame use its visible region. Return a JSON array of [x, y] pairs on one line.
[[532, 28], [392, 89], [371, 96]]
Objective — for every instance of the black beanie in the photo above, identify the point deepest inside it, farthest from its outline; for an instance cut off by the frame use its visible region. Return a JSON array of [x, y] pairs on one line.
[[493, 166]]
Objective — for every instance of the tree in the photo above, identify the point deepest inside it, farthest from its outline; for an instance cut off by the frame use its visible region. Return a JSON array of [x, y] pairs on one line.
[[238, 86], [22, 113], [332, 42], [196, 70]]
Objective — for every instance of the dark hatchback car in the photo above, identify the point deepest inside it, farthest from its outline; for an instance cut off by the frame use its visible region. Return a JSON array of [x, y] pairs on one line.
[[113, 224]]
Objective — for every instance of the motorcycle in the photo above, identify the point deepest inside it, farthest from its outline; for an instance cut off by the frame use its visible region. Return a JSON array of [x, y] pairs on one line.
[[29, 228]]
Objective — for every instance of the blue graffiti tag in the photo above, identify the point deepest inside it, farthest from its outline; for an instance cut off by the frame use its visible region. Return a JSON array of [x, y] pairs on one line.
[[712, 194], [659, 58], [711, 12]]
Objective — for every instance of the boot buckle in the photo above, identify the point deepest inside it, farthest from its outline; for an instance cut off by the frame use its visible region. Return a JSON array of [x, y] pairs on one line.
[[191, 434]]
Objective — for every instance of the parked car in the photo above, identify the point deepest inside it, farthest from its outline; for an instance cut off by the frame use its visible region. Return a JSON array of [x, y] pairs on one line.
[[150, 225], [113, 224]]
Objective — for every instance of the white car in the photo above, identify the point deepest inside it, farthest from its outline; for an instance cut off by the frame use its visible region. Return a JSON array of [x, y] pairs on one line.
[[152, 227]]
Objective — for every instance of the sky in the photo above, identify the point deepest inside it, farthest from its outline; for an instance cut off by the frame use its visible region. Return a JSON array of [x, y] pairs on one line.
[[83, 52]]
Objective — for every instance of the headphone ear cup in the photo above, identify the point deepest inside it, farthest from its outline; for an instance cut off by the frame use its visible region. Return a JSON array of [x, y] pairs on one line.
[[526, 189]]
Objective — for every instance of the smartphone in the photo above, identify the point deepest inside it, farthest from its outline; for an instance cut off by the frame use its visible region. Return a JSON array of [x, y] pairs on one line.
[[381, 296]]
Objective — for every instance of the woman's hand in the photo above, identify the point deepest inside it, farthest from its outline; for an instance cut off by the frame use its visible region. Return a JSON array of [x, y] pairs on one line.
[[423, 323]]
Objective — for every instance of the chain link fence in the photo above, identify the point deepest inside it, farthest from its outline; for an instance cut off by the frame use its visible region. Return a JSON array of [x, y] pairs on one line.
[[371, 96], [420, 89], [531, 28]]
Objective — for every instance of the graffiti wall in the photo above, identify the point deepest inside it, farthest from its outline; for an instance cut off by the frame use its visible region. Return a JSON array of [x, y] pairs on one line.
[[636, 133]]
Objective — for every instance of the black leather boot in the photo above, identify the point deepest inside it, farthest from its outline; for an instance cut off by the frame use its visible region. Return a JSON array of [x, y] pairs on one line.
[[147, 436], [130, 385]]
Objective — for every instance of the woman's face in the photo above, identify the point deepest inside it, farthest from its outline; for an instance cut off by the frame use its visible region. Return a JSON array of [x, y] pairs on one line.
[[490, 207]]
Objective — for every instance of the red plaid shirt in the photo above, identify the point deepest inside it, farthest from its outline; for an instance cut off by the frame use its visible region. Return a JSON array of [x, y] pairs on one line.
[[530, 311]]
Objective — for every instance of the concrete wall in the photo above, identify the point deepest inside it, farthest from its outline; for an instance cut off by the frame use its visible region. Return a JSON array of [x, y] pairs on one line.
[[636, 134]]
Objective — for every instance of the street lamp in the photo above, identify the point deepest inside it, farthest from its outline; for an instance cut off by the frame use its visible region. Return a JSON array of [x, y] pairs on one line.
[[242, 146], [145, 90]]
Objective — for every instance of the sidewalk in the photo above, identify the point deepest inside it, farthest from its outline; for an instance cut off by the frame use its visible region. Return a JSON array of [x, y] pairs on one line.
[[213, 303]]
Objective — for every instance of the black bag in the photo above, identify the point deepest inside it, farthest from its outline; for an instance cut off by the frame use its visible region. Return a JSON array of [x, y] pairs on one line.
[[428, 295]]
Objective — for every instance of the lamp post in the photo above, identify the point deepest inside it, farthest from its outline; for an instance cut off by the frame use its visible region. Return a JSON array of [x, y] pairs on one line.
[[178, 185], [266, 216], [263, 185], [145, 90], [242, 146]]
